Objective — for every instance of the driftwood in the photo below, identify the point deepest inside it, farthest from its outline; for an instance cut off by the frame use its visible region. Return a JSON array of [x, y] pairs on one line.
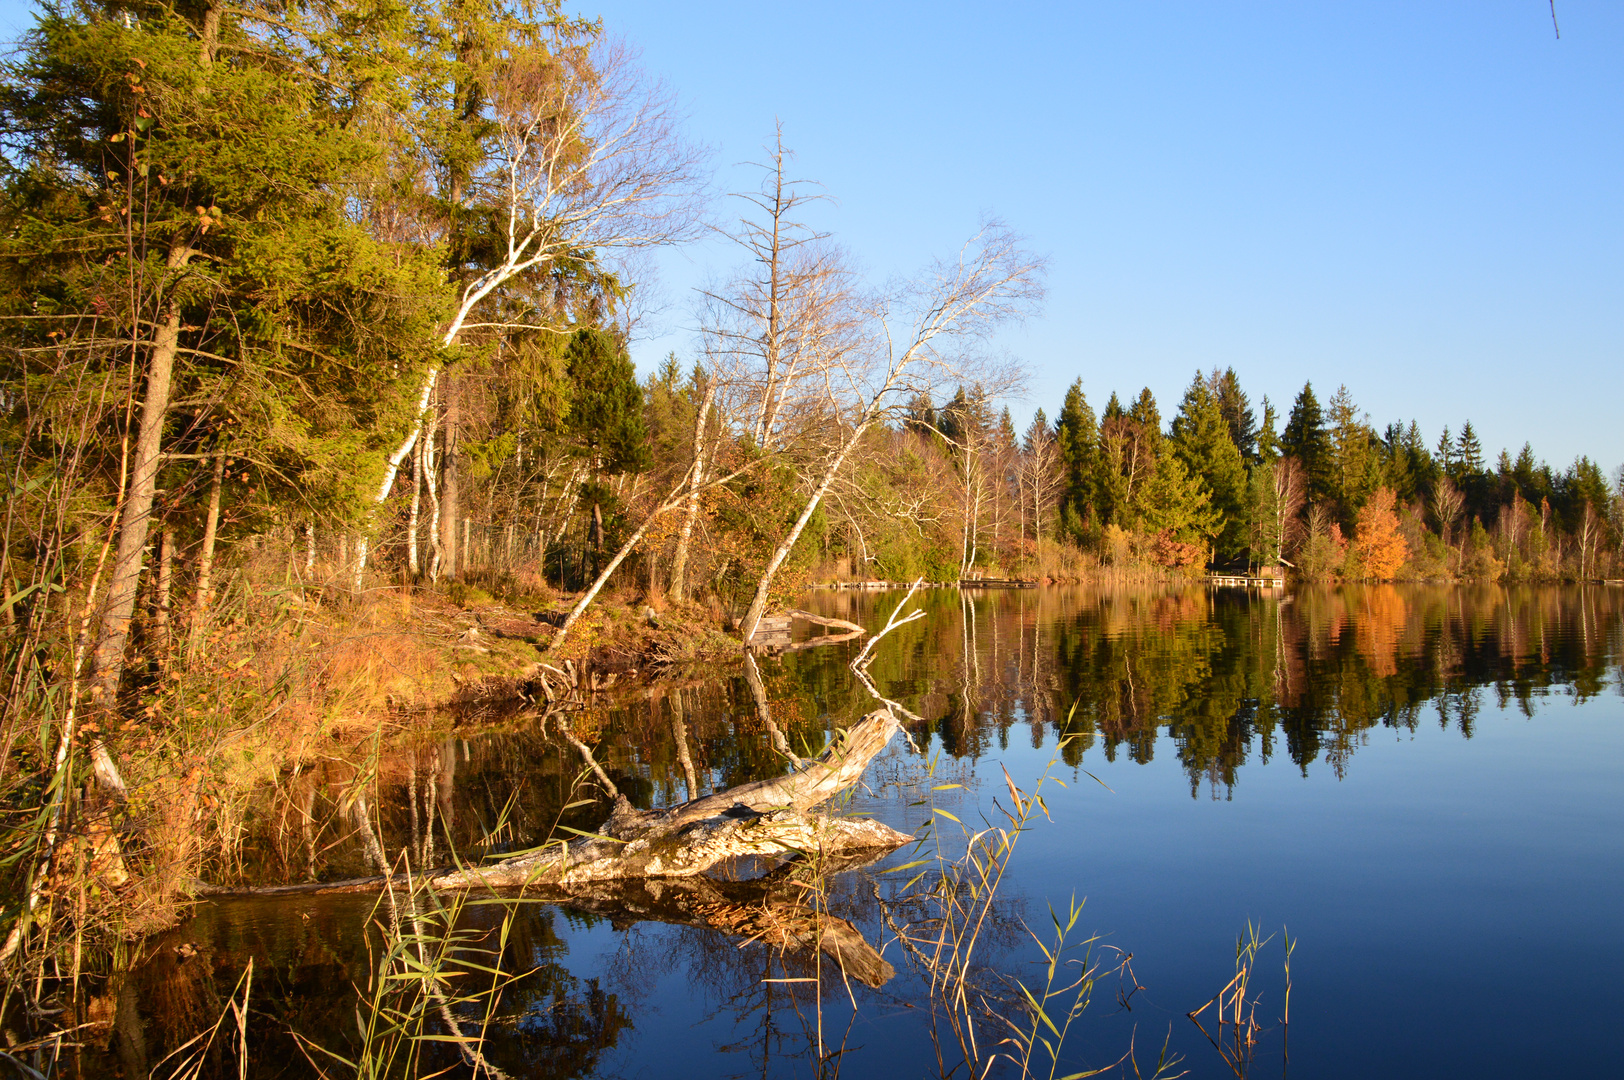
[[769, 817], [650, 864]]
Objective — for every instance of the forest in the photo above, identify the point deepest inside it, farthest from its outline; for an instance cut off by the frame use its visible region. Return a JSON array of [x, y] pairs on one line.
[[314, 326]]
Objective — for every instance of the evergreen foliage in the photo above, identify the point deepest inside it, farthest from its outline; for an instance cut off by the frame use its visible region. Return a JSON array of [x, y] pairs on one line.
[[1077, 436], [1306, 439], [1201, 440]]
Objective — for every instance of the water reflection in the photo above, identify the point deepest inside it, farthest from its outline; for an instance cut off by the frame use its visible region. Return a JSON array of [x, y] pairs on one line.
[[1224, 680], [1231, 675]]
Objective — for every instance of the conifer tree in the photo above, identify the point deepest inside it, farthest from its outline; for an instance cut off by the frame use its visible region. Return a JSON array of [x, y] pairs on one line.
[[1237, 410], [1306, 440], [1446, 453], [1468, 452], [1149, 418], [1268, 441], [1077, 436], [1174, 501], [606, 411], [203, 214], [1201, 440], [1353, 461]]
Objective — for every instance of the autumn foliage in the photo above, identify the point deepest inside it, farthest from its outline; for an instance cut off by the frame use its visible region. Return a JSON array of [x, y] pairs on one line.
[[1378, 545]]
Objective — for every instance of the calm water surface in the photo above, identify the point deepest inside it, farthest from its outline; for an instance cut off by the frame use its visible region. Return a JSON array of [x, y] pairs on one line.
[[1423, 786]]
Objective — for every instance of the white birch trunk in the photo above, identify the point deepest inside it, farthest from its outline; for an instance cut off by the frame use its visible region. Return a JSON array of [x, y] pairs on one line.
[[758, 604]]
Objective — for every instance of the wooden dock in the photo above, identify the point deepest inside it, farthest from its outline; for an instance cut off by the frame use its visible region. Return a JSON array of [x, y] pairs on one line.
[[966, 583], [996, 583], [1243, 581]]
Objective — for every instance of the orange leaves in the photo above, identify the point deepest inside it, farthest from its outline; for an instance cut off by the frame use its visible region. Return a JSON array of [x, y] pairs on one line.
[[1378, 543]]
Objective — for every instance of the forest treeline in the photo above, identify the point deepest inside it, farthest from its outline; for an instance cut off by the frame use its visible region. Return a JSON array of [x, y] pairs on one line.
[[1321, 492]]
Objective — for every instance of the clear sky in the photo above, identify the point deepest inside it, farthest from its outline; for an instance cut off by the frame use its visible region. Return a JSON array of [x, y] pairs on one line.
[[1421, 200]]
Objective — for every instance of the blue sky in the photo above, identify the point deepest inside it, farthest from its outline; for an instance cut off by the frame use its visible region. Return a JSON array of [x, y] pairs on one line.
[[1421, 200]]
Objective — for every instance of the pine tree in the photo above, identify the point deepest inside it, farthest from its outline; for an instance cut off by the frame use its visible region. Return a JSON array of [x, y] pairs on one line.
[[1268, 442], [1306, 440], [1078, 439], [1237, 411], [1201, 439]]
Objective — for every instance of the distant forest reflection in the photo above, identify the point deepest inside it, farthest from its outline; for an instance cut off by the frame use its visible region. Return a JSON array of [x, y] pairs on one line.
[[1233, 676], [1230, 678]]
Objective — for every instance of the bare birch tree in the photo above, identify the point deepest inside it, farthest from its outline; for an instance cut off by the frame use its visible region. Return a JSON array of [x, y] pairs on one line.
[[1040, 476], [912, 339], [1289, 492], [585, 157]]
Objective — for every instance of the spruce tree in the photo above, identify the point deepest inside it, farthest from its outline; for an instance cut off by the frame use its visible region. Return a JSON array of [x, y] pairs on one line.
[[606, 410], [1468, 451], [196, 190], [1078, 437], [1353, 459], [1149, 418], [1306, 440], [1201, 439], [1237, 411], [1268, 441]]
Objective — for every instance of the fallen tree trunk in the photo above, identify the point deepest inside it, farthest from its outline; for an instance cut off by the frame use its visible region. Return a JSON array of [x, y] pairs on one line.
[[771, 818], [651, 864]]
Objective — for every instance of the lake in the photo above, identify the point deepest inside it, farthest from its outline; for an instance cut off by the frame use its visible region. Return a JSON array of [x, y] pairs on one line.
[[1423, 787]]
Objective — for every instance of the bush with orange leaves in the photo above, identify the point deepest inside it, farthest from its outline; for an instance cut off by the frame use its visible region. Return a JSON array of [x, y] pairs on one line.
[[1378, 544]]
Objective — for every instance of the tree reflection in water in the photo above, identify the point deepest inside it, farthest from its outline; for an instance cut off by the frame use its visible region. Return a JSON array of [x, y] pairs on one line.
[[1222, 678]]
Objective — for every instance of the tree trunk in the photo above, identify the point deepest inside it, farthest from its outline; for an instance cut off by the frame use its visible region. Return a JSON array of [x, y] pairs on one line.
[[597, 535], [204, 594], [758, 604], [604, 574], [107, 662], [310, 547], [567, 499], [678, 589], [450, 489], [164, 601], [412, 564], [431, 483]]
